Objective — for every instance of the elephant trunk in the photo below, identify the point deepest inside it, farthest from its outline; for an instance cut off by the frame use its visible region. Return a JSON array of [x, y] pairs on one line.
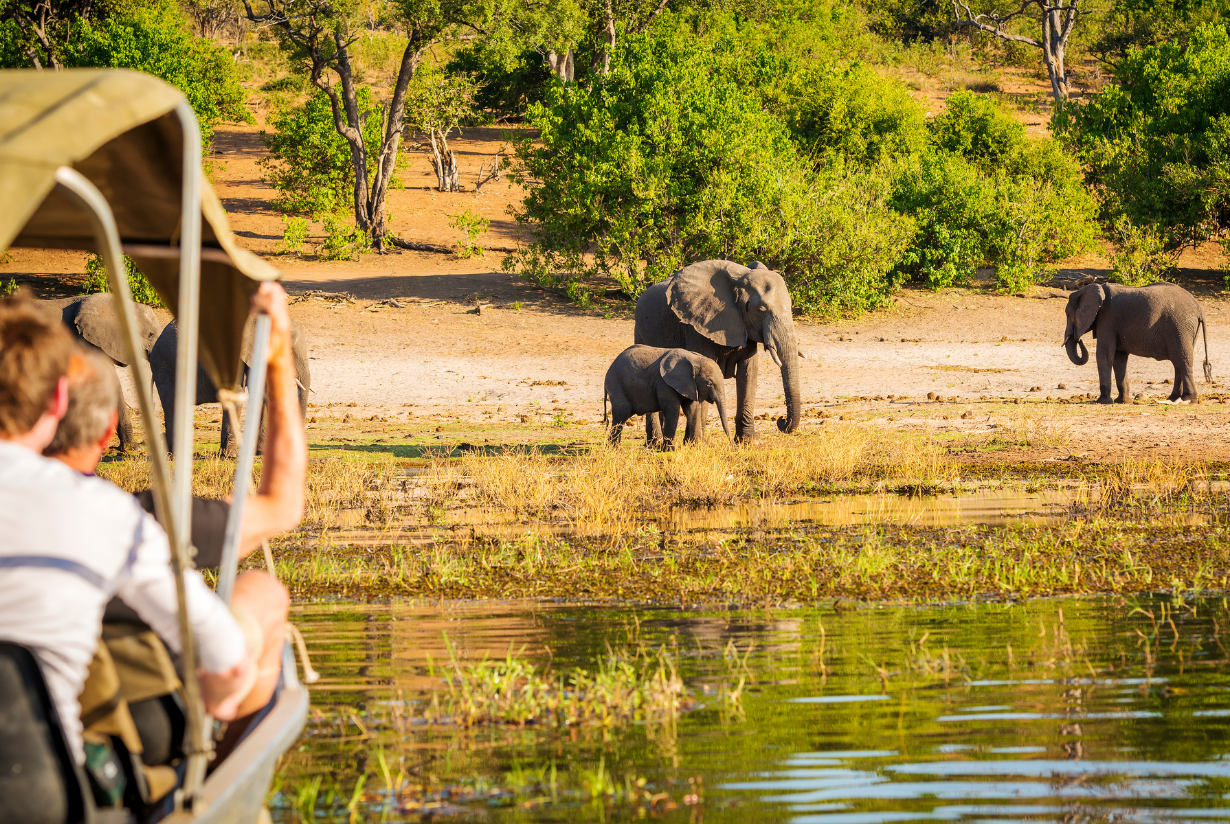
[[719, 400], [1077, 353], [783, 348]]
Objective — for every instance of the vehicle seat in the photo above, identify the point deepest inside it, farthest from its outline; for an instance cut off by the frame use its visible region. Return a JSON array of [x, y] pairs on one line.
[[40, 782]]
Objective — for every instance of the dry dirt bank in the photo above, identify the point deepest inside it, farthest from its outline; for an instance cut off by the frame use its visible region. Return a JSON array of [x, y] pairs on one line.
[[531, 353]]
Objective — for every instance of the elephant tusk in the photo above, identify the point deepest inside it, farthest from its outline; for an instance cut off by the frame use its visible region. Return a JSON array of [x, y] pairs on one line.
[[773, 354]]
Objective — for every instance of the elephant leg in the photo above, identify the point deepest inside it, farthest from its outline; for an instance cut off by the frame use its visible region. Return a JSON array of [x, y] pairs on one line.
[[669, 406], [621, 410], [1106, 355], [123, 427], [653, 429], [1121, 381], [694, 414], [230, 435], [745, 394], [1184, 381]]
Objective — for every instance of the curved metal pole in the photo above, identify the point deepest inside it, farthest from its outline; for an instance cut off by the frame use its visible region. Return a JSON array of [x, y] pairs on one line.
[[106, 236], [199, 723], [247, 454]]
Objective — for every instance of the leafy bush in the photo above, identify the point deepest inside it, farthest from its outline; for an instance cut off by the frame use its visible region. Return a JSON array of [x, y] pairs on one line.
[[294, 234], [1031, 212], [507, 84], [1139, 257], [309, 162], [154, 38], [976, 128], [667, 160], [953, 207], [96, 281], [855, 114], [471, 225], [344, 240], [1156, 145]]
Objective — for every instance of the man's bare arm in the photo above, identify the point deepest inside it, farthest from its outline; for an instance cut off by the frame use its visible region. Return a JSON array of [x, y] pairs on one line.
[[277, 506]]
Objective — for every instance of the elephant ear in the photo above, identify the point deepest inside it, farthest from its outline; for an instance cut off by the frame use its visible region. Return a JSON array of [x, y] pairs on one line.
[[1091, 299], [679, 373], [97, 324], [703, 295]]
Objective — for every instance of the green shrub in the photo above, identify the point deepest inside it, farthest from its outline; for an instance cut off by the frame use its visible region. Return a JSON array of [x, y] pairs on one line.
[[309, 163], [1031, 213], [294, 234], [471, 225], [96, 281], [1156, 144], [975, 127], [1139, 257], [855, 114], [154, 38], [668, 160], [506, 84], [344, 240], [953, 207]]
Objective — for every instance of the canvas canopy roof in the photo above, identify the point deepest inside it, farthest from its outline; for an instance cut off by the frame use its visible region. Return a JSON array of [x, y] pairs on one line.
[[119, 129]]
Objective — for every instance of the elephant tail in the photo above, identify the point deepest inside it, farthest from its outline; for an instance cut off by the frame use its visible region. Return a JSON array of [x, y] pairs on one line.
[[1208, 367], [605, 418]]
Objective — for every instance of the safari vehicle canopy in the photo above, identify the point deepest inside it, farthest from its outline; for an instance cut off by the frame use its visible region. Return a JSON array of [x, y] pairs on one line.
[[110, 161]]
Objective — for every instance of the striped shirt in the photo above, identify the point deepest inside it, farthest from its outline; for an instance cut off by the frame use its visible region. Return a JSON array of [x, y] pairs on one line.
[[68, 543]]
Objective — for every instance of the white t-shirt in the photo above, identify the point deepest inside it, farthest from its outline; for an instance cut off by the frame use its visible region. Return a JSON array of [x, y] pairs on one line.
[[68, 543]]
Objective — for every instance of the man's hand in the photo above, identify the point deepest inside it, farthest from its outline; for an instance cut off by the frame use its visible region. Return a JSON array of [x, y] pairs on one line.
[[223, 691], [270, 299]]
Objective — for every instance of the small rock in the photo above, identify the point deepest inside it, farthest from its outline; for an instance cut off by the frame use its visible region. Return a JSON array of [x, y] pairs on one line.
[[1062, 386], [1035, 389], [931, 396]]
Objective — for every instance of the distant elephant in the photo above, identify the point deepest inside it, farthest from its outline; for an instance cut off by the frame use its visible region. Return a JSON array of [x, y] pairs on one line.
[[1159, 321], [162, 365], [91, 318], [722, 310], [644, 380]]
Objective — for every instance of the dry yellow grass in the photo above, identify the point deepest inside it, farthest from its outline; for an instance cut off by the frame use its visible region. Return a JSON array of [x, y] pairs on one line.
[[607, 485]]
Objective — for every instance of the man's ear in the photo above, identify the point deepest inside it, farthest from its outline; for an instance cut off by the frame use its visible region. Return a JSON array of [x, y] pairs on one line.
[[59, 401], [113, 423]]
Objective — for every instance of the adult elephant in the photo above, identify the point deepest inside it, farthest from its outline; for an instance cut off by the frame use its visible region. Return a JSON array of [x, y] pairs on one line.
[[162, 365], [92, 320], [724, 311], [1159, 321]]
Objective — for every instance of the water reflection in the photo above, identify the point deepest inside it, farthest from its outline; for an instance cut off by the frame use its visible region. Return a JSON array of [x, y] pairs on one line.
[[1073, 710]]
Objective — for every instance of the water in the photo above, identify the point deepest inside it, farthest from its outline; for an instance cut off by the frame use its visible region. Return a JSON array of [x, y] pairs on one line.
[[1065, 710]]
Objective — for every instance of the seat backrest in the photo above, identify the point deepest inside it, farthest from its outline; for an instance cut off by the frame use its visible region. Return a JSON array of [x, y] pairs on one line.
[[40, 782]]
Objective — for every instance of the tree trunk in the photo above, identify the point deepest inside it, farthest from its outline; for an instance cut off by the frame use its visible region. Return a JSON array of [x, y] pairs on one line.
[[561, 64], [602, 54], [447, 178]]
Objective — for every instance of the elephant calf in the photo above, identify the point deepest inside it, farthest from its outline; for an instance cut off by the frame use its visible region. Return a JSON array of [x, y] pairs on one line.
[[644, 380], [1159, 321]]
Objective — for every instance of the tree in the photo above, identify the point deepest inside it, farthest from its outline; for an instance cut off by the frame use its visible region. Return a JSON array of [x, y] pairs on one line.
[[1056, 18], [436, 105], [1156, 144], [39, 29], [322, 31]]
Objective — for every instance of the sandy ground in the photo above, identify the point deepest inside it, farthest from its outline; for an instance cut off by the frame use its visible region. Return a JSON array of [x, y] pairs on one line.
[[407, 334]]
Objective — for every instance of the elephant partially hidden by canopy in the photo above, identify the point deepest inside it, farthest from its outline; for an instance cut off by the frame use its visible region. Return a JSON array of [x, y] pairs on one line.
[[723, 310]]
